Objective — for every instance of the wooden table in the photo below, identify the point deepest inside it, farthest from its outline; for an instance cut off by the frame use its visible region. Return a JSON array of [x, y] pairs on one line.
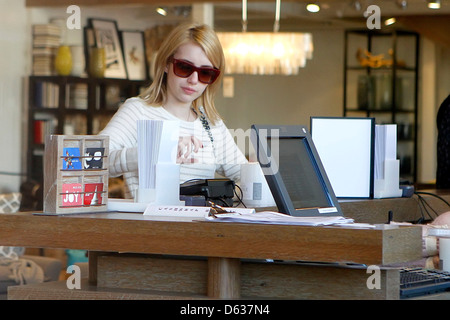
[[135, 256]]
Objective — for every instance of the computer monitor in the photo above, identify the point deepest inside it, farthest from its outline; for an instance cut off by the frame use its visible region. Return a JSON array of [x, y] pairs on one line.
[[293, 171]]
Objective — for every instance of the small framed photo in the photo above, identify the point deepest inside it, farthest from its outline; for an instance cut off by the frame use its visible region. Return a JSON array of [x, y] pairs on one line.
[[107, 36], [134, 54]]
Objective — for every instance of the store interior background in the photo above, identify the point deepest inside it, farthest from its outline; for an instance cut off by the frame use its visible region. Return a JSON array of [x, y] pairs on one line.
[[317, 90]]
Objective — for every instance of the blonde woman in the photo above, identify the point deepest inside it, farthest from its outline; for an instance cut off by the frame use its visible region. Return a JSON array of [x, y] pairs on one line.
[[188, 70]]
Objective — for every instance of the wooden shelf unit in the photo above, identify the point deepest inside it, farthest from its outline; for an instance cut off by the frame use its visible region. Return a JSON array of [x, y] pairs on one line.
[[397, 100]]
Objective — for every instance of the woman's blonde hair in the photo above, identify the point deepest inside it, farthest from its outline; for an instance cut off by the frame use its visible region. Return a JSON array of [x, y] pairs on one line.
[[205, 37]]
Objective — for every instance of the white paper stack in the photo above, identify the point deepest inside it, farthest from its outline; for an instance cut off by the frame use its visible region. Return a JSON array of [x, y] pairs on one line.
[[387, 167], [159, 174], [385, 147], [149, 139]]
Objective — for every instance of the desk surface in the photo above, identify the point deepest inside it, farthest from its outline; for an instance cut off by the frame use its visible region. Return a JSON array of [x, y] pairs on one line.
[[130, 232]]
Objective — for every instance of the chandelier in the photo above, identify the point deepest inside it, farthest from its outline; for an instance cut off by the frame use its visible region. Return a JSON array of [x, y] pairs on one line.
[[265, 53]]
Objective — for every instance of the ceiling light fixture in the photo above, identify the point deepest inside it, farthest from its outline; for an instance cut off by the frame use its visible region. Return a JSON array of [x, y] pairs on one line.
[[402, 4], [276, 24], [182, 11], [357, 5], [434, 4], [265, 53], [313, 7], [161, 11], [389, 21]]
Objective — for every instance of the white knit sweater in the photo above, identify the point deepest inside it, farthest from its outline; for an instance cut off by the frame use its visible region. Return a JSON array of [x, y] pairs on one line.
[[221, 155]]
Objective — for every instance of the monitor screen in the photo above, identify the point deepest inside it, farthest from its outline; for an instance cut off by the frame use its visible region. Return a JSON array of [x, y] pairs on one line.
[[300, 174], [293, 171]]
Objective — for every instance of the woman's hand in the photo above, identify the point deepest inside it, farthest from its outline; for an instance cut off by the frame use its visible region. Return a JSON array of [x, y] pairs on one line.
[[187, 145]]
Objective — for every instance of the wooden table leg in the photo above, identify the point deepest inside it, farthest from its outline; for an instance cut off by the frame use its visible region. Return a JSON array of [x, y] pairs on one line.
[[224, 277], [92, 267]]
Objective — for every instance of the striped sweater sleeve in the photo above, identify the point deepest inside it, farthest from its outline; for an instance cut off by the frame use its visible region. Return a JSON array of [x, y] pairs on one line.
[[228, 155], [123, 140]]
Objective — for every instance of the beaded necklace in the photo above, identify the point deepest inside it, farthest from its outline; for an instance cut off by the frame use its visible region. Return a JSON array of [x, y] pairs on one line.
[[207, 128]]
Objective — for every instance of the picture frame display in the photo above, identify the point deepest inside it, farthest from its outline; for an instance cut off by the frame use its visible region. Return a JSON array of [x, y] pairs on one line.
[[346, 146], [134, 54], [106, 36]]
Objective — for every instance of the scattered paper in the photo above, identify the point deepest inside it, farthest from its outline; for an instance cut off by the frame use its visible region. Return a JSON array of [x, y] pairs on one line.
[[246, 215], [357, 225], [268, 217]]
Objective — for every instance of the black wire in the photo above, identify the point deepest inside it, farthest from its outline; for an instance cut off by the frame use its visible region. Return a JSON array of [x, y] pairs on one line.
[[191, 180], [431, 208], [239, 198], [434, 195], [423, 203], [422, 207]]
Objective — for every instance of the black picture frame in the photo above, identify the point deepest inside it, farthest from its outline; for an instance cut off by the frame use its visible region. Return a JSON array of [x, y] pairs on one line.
[[89, 43], [106, 35], [133, 43]]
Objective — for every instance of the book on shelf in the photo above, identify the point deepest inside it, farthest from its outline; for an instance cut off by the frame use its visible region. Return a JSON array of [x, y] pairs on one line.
[[43, 51], [43, 66], [77, 96], [46, 29], [75, 125], [46, 40], [46, 94], [43, 126]]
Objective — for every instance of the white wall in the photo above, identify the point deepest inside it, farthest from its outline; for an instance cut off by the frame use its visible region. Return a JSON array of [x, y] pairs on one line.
[[14, 55], [427, 112], [433, 89], [442, 92]]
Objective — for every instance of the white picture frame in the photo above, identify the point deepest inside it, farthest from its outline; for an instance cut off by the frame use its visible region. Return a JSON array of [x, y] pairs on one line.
[[346, 146]]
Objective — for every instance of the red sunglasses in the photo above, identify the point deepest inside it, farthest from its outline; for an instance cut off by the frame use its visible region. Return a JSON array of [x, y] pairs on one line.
[[184, 69]]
